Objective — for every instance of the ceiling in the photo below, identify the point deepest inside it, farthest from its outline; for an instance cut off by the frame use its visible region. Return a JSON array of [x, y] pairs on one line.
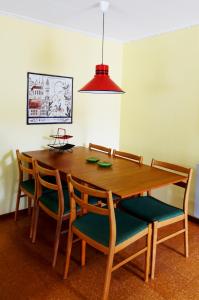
[[125, 20]]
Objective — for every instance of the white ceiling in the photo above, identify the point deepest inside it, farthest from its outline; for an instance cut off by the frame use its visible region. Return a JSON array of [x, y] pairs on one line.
[[125, 20]]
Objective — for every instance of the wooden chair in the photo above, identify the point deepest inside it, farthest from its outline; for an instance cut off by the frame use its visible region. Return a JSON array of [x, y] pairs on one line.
[[52, 199], [159, 213], [26, 185], [100, 148], [97, 227], [128, 156]]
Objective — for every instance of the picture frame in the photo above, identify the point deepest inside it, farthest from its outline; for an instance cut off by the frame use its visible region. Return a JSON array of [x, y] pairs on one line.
[[49, 99]]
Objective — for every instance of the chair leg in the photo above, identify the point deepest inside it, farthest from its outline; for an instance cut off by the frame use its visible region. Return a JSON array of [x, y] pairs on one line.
[[56, 244], [32, 221], [154, 248], [68, 252], [108, 275], [83, 254], [148, 254], [17, 203], [35, 224], [186, 239], [29, 205]]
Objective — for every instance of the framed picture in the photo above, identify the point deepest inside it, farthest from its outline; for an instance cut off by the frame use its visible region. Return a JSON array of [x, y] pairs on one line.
[[49, 99]]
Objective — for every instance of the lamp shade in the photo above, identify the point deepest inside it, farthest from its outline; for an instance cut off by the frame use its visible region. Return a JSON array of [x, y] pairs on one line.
[[101, 83]]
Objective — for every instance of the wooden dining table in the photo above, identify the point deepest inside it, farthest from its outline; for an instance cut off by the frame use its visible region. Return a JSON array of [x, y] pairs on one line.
[[124, 178]]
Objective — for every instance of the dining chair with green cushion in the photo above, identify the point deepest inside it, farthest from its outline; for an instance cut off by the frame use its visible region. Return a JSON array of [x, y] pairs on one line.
[[107, 229], [52, 199], [100, 148], [137, 159], [159, 213], [26, 184]]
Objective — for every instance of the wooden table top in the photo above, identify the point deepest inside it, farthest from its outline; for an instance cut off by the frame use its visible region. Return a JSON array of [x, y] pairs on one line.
[[124, 178]]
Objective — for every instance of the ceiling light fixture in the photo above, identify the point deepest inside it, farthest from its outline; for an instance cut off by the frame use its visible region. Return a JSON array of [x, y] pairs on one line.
[[102, 83]]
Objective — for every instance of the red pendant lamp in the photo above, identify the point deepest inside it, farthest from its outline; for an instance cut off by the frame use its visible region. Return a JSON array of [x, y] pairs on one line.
[[101, 82]]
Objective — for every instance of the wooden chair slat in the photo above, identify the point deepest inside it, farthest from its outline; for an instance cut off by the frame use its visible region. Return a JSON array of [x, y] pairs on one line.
[[128, 156], [170, 166], [100, 148]]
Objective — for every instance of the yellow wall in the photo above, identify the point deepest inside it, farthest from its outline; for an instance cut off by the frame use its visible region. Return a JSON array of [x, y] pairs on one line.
[[29, 47], [160, 111]]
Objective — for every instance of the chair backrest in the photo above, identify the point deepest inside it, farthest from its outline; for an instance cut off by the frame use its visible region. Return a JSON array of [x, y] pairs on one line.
[[100, 148], [49, 179], [179, 170], [82, 201], [128, 156], [25, 165]]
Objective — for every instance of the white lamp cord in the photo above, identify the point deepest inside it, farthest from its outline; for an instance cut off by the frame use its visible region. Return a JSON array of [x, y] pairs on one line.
[[103, 41]]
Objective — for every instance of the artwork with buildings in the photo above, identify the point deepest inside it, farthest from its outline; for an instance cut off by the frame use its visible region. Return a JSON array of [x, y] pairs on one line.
[[49, 99]]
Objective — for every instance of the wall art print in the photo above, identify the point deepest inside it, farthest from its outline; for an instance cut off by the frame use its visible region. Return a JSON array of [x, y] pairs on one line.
[[49, 99]]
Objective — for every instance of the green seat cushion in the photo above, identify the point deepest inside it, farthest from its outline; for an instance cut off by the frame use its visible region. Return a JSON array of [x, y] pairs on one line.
[[91, 200], [94, 200], [115, 198], [97, 226], [52, 179], [50, 200], [29, 185], [150, 209]]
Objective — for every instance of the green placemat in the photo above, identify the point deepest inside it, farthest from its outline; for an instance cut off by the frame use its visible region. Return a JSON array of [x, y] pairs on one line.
[[92, 159], [104, 164]]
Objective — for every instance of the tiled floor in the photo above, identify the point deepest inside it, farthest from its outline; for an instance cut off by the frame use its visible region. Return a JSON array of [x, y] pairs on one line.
[[26, 272]]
